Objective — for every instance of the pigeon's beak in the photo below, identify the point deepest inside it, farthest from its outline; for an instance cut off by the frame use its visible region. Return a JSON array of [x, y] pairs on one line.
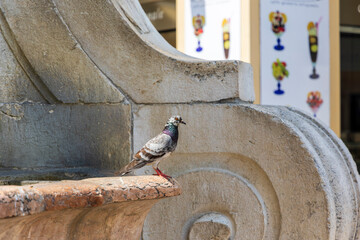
[[183, 122]]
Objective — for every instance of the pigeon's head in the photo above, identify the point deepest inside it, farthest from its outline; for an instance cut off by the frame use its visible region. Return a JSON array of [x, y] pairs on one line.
[[175, 120]]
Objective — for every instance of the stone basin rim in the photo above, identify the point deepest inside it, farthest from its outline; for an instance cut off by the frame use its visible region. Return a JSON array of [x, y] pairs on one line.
[[92, 192]]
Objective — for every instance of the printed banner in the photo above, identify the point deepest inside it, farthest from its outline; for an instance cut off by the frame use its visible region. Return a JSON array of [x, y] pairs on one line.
[[212, 29], [294, 50]]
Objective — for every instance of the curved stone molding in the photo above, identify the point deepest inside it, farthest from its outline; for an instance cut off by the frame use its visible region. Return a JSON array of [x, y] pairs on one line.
[[274, 171], [212, 226], [112, 47], [97, 208], [17, 56]]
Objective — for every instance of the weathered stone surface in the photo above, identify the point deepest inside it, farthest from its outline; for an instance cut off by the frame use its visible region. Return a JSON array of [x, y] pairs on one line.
[[212, 226], [275, 171], [55, 54], [41, 135], [14, 83], [98, 208]]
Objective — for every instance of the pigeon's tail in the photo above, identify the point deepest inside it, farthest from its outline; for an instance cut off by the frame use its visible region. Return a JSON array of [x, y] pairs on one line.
[[121, 172], [135, 164]]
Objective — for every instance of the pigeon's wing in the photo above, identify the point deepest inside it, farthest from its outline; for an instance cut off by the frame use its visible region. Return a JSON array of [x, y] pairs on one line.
[[159, 145], [154, 149]]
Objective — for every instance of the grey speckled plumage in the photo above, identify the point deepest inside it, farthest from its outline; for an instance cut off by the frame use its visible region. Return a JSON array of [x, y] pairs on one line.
[[156, 149]]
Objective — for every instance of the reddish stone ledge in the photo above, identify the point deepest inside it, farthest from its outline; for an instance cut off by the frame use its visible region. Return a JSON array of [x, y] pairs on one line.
[[93, 192], [96, 208]]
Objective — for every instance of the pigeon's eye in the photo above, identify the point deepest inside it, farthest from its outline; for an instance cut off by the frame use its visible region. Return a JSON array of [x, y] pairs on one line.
[[176, 119]]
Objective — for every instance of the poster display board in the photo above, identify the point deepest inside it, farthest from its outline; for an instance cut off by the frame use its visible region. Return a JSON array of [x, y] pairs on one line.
[[294, 55], [212, 29]]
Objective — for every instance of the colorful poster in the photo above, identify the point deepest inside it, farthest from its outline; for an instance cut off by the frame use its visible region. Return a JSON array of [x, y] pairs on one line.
[[212, 29], [294, 50]]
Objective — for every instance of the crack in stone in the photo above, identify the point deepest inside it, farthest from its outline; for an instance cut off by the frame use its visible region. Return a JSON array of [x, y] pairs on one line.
[[11, 115]]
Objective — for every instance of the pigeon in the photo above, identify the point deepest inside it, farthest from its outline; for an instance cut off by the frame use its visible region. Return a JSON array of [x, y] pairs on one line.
[[156, 149]]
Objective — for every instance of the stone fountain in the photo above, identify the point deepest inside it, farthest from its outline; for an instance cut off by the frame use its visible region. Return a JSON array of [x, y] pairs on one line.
[[85, 83]]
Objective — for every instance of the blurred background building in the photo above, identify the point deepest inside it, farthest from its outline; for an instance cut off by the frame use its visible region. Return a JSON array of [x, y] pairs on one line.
[[350, 75], [177, 19], [162, 14]]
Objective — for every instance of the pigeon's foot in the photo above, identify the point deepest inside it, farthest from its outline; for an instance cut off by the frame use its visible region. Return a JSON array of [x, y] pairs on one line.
[[165, 176], [159, 173]]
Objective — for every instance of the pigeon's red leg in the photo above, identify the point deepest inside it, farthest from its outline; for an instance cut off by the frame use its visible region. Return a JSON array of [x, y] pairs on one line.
[[158, 173]]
